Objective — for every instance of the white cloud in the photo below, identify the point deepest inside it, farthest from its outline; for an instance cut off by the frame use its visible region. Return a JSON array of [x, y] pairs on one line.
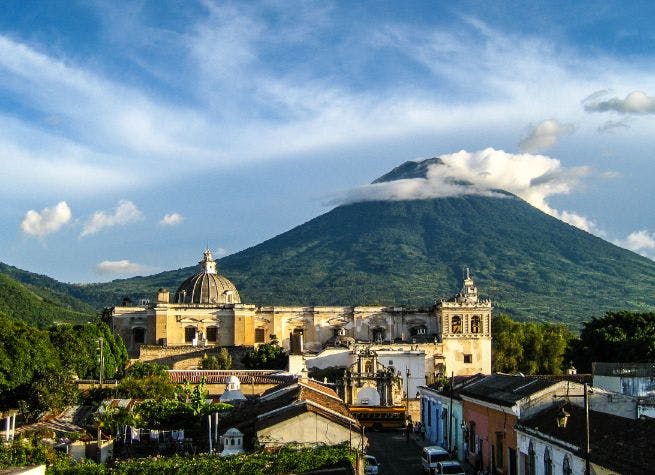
[[49, 220], [533, 178], [125, 213], [544, 135], [637, 102], [119, 267], [220, 252], [638, 241], [171, 219]]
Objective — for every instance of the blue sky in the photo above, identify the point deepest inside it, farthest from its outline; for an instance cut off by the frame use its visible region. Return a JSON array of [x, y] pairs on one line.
[[133, 134]]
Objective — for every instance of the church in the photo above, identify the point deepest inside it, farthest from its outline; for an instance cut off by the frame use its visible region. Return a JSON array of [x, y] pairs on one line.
[[206, 311]]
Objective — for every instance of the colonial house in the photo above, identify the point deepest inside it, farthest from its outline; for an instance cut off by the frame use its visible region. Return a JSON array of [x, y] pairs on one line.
[[493, 405], [442, 414], [304, 412], [552, 442]]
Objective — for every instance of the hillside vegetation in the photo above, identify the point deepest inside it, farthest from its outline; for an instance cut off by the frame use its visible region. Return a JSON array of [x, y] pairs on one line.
[[22, 303]]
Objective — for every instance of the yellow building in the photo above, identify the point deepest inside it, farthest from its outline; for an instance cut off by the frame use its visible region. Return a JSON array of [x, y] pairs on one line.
[[207, 311]]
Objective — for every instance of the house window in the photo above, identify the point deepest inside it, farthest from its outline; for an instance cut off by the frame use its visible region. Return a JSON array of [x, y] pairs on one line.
[[566, 466], [260, 335], [548, 463], [456, 324], [472, 437], [532, 460], [475, 324], [139, 335], [189, 334], [212, 334], [468, 358], [500, 449], [378, 335]]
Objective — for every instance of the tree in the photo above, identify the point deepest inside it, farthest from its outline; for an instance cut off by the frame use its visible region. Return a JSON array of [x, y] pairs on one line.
[[266, 356], [221, 361], [529, 348], [142, 369], [77, 346], [617, 337], [32, 377]]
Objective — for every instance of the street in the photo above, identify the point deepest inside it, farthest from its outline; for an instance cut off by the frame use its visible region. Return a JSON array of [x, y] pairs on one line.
[[394, 453]]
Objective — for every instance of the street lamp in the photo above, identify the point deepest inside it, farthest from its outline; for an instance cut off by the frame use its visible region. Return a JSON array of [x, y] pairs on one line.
[[562, 417]]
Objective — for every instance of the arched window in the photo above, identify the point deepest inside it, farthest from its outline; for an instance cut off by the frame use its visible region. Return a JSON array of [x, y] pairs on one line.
[[548, 463], [189, 334], [475, 324], [532, 460], [228, 296], [139, 335], [368, 367], [456, 324], [566, 466]]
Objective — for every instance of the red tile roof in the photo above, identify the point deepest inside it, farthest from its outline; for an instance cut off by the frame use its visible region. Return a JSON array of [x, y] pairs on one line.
[[221, 376]]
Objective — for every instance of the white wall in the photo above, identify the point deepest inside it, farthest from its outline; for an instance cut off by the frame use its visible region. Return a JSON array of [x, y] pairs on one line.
[[307, 428], [401, 360], [557, 455]]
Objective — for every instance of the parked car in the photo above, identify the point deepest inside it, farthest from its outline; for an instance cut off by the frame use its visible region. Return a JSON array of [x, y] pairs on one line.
[[449, 467], [431, 456], [371, 464]]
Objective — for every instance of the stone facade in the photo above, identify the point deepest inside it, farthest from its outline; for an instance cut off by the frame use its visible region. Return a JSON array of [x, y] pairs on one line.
[[460, 328]]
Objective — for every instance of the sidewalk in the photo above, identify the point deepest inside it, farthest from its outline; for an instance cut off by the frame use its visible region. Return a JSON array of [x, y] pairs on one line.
[[416, 438]]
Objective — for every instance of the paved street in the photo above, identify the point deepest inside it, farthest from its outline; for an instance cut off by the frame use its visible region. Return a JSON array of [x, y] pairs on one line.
[[395, 455]]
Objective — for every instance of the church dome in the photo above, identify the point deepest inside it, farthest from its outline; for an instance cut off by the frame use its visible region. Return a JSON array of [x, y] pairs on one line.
[[207, 286]]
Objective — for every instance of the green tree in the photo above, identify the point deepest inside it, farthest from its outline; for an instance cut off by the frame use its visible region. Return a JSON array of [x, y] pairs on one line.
[[142, 369], [266, 356], [617, 337], [529, 348], [221, 361], [32, 377], [78, 350]]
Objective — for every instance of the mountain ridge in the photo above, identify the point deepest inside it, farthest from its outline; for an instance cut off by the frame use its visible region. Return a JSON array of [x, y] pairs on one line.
[[412, 252]]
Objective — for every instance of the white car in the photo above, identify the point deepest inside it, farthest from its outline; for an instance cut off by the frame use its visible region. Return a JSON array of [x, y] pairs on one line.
[[450, 467], [371, 464], [431, 456]]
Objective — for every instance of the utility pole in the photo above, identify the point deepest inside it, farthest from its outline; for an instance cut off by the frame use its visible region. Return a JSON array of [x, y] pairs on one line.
[[101, 358], [408, 374], [587, 468]]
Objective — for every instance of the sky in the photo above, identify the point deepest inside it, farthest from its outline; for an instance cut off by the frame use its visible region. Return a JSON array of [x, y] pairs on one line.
[[135, 134]]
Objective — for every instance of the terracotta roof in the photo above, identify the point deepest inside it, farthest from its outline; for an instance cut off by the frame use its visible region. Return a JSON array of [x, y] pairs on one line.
[[221, 376], [288, 401], [505, 389], [617, 443]]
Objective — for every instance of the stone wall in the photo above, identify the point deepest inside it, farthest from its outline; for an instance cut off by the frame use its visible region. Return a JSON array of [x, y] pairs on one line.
[[186, 356]]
